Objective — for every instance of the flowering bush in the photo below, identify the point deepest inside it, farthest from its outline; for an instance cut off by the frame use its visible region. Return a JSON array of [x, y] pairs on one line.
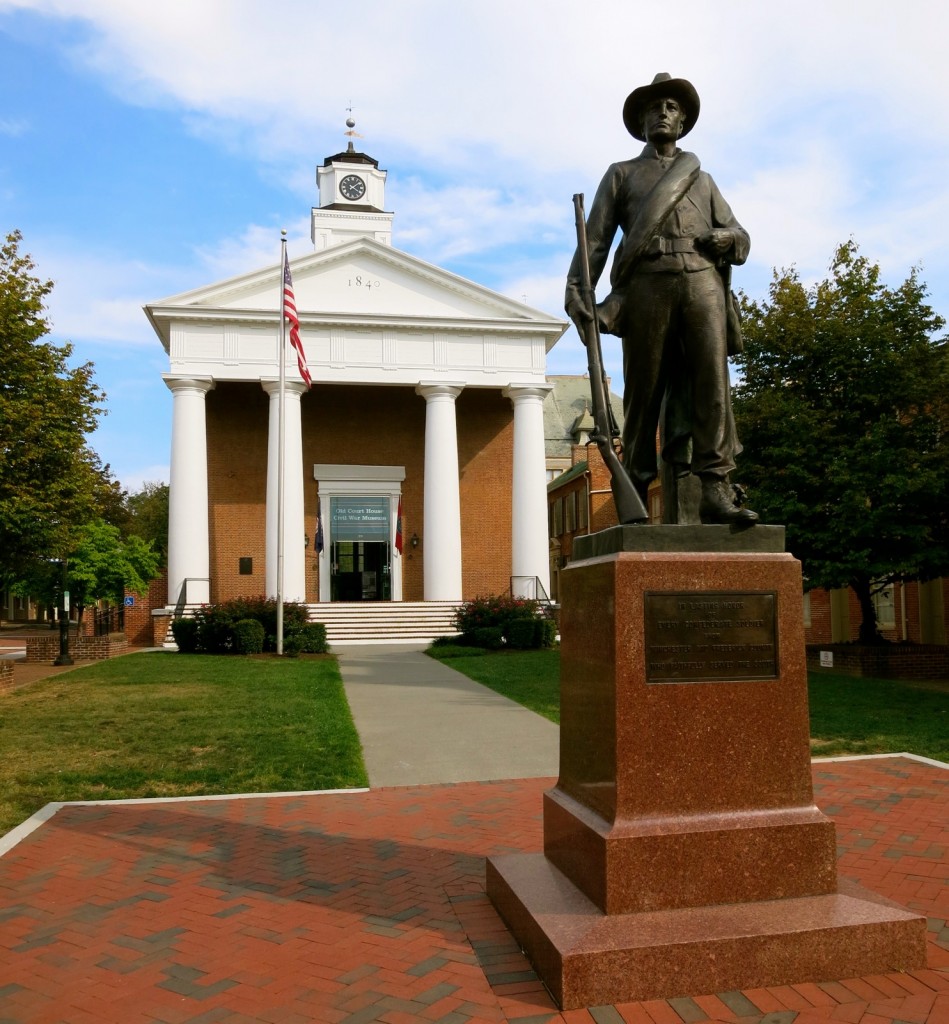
[[503, 620], [493, 611]]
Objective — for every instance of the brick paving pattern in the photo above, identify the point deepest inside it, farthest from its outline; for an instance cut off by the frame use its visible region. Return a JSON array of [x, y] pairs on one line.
[[370, 907]]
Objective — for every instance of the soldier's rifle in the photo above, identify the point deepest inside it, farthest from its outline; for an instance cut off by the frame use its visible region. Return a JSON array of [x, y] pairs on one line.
[[629, 505]]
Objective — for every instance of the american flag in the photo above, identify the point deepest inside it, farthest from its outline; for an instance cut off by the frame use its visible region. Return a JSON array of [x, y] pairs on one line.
[[290, 312]]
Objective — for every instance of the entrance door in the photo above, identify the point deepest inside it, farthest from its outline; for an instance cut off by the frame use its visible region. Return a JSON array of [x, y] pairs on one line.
[[360, 571], [360, 551]]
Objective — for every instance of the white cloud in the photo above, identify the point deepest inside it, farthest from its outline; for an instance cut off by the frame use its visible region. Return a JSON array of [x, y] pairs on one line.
[[13, 127], [255, 247], [98, 296], [135, 480]]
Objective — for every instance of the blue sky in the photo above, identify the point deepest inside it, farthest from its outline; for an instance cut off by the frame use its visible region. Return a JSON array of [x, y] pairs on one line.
[[147, 149]]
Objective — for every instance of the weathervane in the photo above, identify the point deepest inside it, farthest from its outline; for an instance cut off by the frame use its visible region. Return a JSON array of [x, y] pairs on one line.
[[351, 126]]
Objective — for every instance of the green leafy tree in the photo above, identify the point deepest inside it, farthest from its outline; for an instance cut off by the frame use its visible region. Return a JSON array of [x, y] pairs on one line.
[[103, 565], [51, 481], [147, 517], [100, 566], [843, 409]]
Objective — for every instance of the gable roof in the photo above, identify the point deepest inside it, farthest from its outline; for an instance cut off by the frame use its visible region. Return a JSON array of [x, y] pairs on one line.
[[358, 282]]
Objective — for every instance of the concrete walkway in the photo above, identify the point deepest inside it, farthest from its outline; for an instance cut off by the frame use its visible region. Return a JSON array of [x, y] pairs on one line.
[[421, 722]]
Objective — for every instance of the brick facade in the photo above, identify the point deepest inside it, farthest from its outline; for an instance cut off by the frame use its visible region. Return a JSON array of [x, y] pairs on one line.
[[138, 616], [358, 425], [919, 615]]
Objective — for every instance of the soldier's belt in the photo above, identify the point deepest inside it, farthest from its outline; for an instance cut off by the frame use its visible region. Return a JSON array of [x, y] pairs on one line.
[[658, 246]]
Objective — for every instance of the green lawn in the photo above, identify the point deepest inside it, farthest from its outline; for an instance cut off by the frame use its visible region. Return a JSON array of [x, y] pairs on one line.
[[848, 716], [161, 724]]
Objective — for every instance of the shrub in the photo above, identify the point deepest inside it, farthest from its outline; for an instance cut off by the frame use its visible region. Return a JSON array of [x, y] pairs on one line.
[[311, 637], [185, 632], [248, 637], [489, 637], [493, 611], [215, 630], [215, 625], [292, 645], [523, 634], [447, 641], [264, 610], [547, 632]]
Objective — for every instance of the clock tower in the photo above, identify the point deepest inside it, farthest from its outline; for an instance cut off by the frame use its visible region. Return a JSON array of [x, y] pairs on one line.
[[352, 196]]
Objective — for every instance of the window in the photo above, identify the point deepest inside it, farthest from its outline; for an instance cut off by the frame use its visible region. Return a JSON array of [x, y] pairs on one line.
[[807, 609], [885, 605], [583, 516], [570, 512], [558, 517]]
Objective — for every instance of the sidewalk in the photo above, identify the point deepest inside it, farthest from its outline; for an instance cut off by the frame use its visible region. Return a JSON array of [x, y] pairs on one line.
[[422, 722]]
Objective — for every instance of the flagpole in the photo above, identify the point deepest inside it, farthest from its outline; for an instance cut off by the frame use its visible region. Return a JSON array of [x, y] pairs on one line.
[[281, 416]]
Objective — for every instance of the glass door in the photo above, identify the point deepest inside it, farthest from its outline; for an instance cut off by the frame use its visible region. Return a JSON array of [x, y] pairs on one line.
[[360, 553]]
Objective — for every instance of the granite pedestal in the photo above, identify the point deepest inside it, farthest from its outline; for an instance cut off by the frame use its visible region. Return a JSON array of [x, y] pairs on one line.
[[683, 851]]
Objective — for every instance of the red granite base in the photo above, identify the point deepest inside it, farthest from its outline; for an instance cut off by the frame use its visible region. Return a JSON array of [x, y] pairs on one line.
[[665, 862], [588, 958], [683, 851]]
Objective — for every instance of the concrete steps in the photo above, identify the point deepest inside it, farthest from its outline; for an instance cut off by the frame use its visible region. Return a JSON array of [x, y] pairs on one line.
[[384, 622], [374, 622]]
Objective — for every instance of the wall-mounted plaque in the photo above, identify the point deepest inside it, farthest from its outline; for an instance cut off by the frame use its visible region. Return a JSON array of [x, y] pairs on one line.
[[717, 636]]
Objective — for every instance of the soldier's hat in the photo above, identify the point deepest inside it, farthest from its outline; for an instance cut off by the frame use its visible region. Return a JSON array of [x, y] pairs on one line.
[[662, 85]]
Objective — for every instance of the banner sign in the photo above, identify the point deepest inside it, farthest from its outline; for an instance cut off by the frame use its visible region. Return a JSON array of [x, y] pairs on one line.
[[355, 519]]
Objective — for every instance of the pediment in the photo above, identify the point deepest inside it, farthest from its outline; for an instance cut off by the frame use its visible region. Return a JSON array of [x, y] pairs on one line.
[[363, 278]]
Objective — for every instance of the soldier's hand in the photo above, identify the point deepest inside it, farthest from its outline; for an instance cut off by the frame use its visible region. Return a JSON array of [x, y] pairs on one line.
[[581, 314], [718, 242]]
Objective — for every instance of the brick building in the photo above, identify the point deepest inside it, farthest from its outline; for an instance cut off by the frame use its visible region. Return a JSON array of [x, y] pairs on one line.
[[427, 398]]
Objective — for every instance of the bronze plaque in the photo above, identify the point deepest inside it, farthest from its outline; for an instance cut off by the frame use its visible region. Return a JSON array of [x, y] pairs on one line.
[[719, 636]]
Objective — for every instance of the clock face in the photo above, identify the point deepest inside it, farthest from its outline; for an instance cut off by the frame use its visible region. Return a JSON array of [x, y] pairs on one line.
[[352, 187]]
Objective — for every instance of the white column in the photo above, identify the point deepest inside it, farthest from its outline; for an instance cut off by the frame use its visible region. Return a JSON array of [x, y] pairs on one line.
[[441, 519], [529, 543], [189, 554], [294, 527]]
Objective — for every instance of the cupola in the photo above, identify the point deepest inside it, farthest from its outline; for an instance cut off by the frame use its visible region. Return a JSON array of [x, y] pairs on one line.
[[352, 199]]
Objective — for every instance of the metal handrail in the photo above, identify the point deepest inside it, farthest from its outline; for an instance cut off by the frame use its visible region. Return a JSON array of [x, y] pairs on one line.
[[540, 594], [183, 593]]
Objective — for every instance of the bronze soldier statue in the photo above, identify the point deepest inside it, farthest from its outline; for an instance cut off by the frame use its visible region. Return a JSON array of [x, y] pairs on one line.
[[670, 302]]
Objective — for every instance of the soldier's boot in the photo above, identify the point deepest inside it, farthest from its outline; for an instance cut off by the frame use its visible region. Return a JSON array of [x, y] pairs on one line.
[[721, 503]]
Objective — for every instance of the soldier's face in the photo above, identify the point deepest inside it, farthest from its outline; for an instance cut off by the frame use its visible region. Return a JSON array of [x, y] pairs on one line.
[[663, 119]]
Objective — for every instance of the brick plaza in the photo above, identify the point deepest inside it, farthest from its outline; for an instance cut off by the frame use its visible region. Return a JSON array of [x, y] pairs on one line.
[[370, 907]]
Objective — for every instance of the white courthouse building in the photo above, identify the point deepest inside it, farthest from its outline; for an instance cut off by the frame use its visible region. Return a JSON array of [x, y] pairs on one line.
[[428, 393]]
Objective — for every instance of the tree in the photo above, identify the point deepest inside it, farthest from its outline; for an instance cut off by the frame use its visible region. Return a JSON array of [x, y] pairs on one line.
[[51, 481], [103, 565], [147, 516], [843, 409]]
